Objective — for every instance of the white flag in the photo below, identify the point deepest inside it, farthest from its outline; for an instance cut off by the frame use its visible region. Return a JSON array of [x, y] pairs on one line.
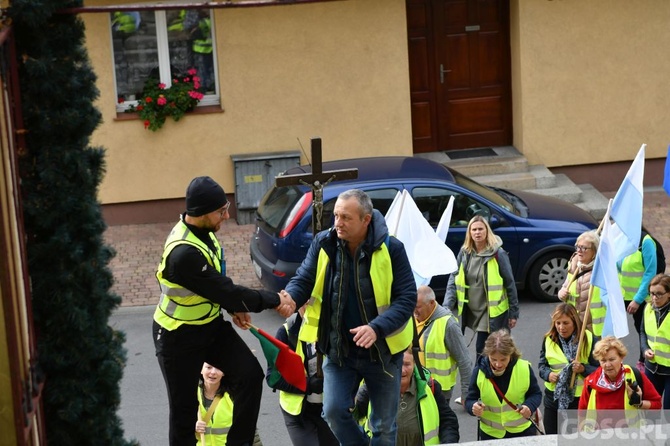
[[427, 254], [443, 226], [604, 276]]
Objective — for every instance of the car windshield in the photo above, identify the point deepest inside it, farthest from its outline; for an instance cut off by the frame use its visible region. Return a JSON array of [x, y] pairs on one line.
[[485, 192], [277, 203]]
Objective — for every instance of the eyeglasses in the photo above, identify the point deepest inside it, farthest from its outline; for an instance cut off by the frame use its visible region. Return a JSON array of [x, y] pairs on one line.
[[580, 248], [224, 209], [657, 295]]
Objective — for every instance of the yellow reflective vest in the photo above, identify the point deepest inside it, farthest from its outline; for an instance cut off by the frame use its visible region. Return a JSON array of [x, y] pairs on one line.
[[630, 276], [178, 305], [428, 412], [632, 413], [498, 417], [292, 402], [381, 275], [558, 361], [443, 368], [216, 432], [498, 302], [124, 22], [657, 337], [597, 308]]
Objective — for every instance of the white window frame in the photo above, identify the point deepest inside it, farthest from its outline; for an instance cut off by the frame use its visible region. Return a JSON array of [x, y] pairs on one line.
[[163, 51]]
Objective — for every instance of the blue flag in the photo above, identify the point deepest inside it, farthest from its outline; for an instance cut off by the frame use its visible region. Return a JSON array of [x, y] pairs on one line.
[[666, 178], [626, 210]]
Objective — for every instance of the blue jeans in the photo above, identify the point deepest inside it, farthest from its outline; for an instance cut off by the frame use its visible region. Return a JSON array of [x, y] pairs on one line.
[[340, 384]]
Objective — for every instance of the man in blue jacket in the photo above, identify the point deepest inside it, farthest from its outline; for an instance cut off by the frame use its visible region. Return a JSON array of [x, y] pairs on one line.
[[362, 295]]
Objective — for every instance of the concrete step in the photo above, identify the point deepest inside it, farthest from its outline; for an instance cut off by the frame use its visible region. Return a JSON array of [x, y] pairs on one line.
[[505, 160], [536, 177], [506, 168], [593, 201], [564, 189]]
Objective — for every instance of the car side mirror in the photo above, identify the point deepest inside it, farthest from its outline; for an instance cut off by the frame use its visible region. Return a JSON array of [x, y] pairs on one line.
[[495, 221]]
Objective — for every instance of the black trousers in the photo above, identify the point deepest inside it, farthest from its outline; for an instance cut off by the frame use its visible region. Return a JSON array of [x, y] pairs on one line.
[[637, 322], [181, 353], [309, 428], [551, 412]]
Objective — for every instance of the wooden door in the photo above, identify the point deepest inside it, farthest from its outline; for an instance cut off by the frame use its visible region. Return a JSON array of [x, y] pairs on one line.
[[459, 61]]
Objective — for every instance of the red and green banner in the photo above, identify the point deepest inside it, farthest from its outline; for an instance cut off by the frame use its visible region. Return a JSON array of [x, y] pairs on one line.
[[285, 363]]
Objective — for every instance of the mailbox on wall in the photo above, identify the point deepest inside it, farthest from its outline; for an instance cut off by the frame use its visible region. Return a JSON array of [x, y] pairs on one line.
[[255, 175]]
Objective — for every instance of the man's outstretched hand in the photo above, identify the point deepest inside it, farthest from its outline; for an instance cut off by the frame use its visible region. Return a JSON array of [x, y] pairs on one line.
[[286, 305]]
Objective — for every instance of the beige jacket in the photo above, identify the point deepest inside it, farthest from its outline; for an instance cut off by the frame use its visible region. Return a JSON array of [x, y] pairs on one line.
[[582, 285]]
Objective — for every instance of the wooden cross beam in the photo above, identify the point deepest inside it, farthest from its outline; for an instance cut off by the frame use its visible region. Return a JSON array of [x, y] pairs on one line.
[[317, 179]]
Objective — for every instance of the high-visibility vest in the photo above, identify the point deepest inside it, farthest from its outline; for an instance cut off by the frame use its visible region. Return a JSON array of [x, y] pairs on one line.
[[216, 432], [204, 45], [443, 368], [124, 22], [179, 305], [381, 275], [498, 302], [658, 337], [292, 402], [630, 276], [428, 412], [178, 23], [632, 414], [498, 417], [558, 361], [597, 308]]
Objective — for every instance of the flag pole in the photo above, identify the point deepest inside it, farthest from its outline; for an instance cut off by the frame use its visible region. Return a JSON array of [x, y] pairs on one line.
[[587, 313], [582, 332]]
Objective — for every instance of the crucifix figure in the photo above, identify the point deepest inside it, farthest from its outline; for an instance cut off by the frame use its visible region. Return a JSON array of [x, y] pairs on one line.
[[317, 180]]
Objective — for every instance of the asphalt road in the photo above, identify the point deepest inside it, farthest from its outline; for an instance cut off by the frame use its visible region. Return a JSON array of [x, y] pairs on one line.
[[144, 408]]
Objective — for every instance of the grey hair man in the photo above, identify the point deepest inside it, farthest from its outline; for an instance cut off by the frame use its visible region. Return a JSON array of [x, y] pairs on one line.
[[443, 350]]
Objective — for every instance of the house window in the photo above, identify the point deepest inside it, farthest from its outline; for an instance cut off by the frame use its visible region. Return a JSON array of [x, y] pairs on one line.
[[163, 45]]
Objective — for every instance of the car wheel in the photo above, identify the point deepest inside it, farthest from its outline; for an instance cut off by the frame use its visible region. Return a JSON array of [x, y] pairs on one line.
[[547, 276]]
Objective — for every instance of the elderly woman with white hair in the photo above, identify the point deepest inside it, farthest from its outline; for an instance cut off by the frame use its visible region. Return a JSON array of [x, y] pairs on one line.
[[575, 290]]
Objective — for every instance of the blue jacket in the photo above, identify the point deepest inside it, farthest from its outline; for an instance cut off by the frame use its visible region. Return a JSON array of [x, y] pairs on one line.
[[331, 339]]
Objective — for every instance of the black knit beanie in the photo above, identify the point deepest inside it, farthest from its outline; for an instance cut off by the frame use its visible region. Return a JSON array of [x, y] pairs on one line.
[[204, 195]]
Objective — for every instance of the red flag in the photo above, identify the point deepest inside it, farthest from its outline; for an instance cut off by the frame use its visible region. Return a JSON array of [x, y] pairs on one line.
[[285, 362]]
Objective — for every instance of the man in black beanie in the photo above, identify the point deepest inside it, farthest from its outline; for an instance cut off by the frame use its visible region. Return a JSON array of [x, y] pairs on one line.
[[189, 328]]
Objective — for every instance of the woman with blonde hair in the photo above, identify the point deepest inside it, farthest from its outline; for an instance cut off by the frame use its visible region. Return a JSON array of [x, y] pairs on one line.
[[575, 289], [503, 390], [483, 291], [560, 360]]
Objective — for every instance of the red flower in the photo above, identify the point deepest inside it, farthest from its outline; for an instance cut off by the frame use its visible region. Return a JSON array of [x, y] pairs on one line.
[[140, 107], [148, 99], [146, 124], [192, 71], [121, 100]]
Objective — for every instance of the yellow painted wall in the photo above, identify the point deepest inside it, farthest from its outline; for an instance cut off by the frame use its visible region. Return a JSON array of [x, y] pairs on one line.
[[337, 70], [591, 79]]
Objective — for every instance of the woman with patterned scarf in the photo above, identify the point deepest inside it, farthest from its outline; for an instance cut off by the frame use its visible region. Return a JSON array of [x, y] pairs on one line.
[[615, 386], [559, 360]]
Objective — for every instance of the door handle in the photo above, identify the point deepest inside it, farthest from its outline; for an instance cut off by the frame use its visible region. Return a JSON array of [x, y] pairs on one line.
[[442, 71]]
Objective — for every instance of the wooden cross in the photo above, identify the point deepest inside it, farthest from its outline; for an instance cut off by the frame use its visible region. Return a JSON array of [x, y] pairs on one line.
[[316, 180]]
